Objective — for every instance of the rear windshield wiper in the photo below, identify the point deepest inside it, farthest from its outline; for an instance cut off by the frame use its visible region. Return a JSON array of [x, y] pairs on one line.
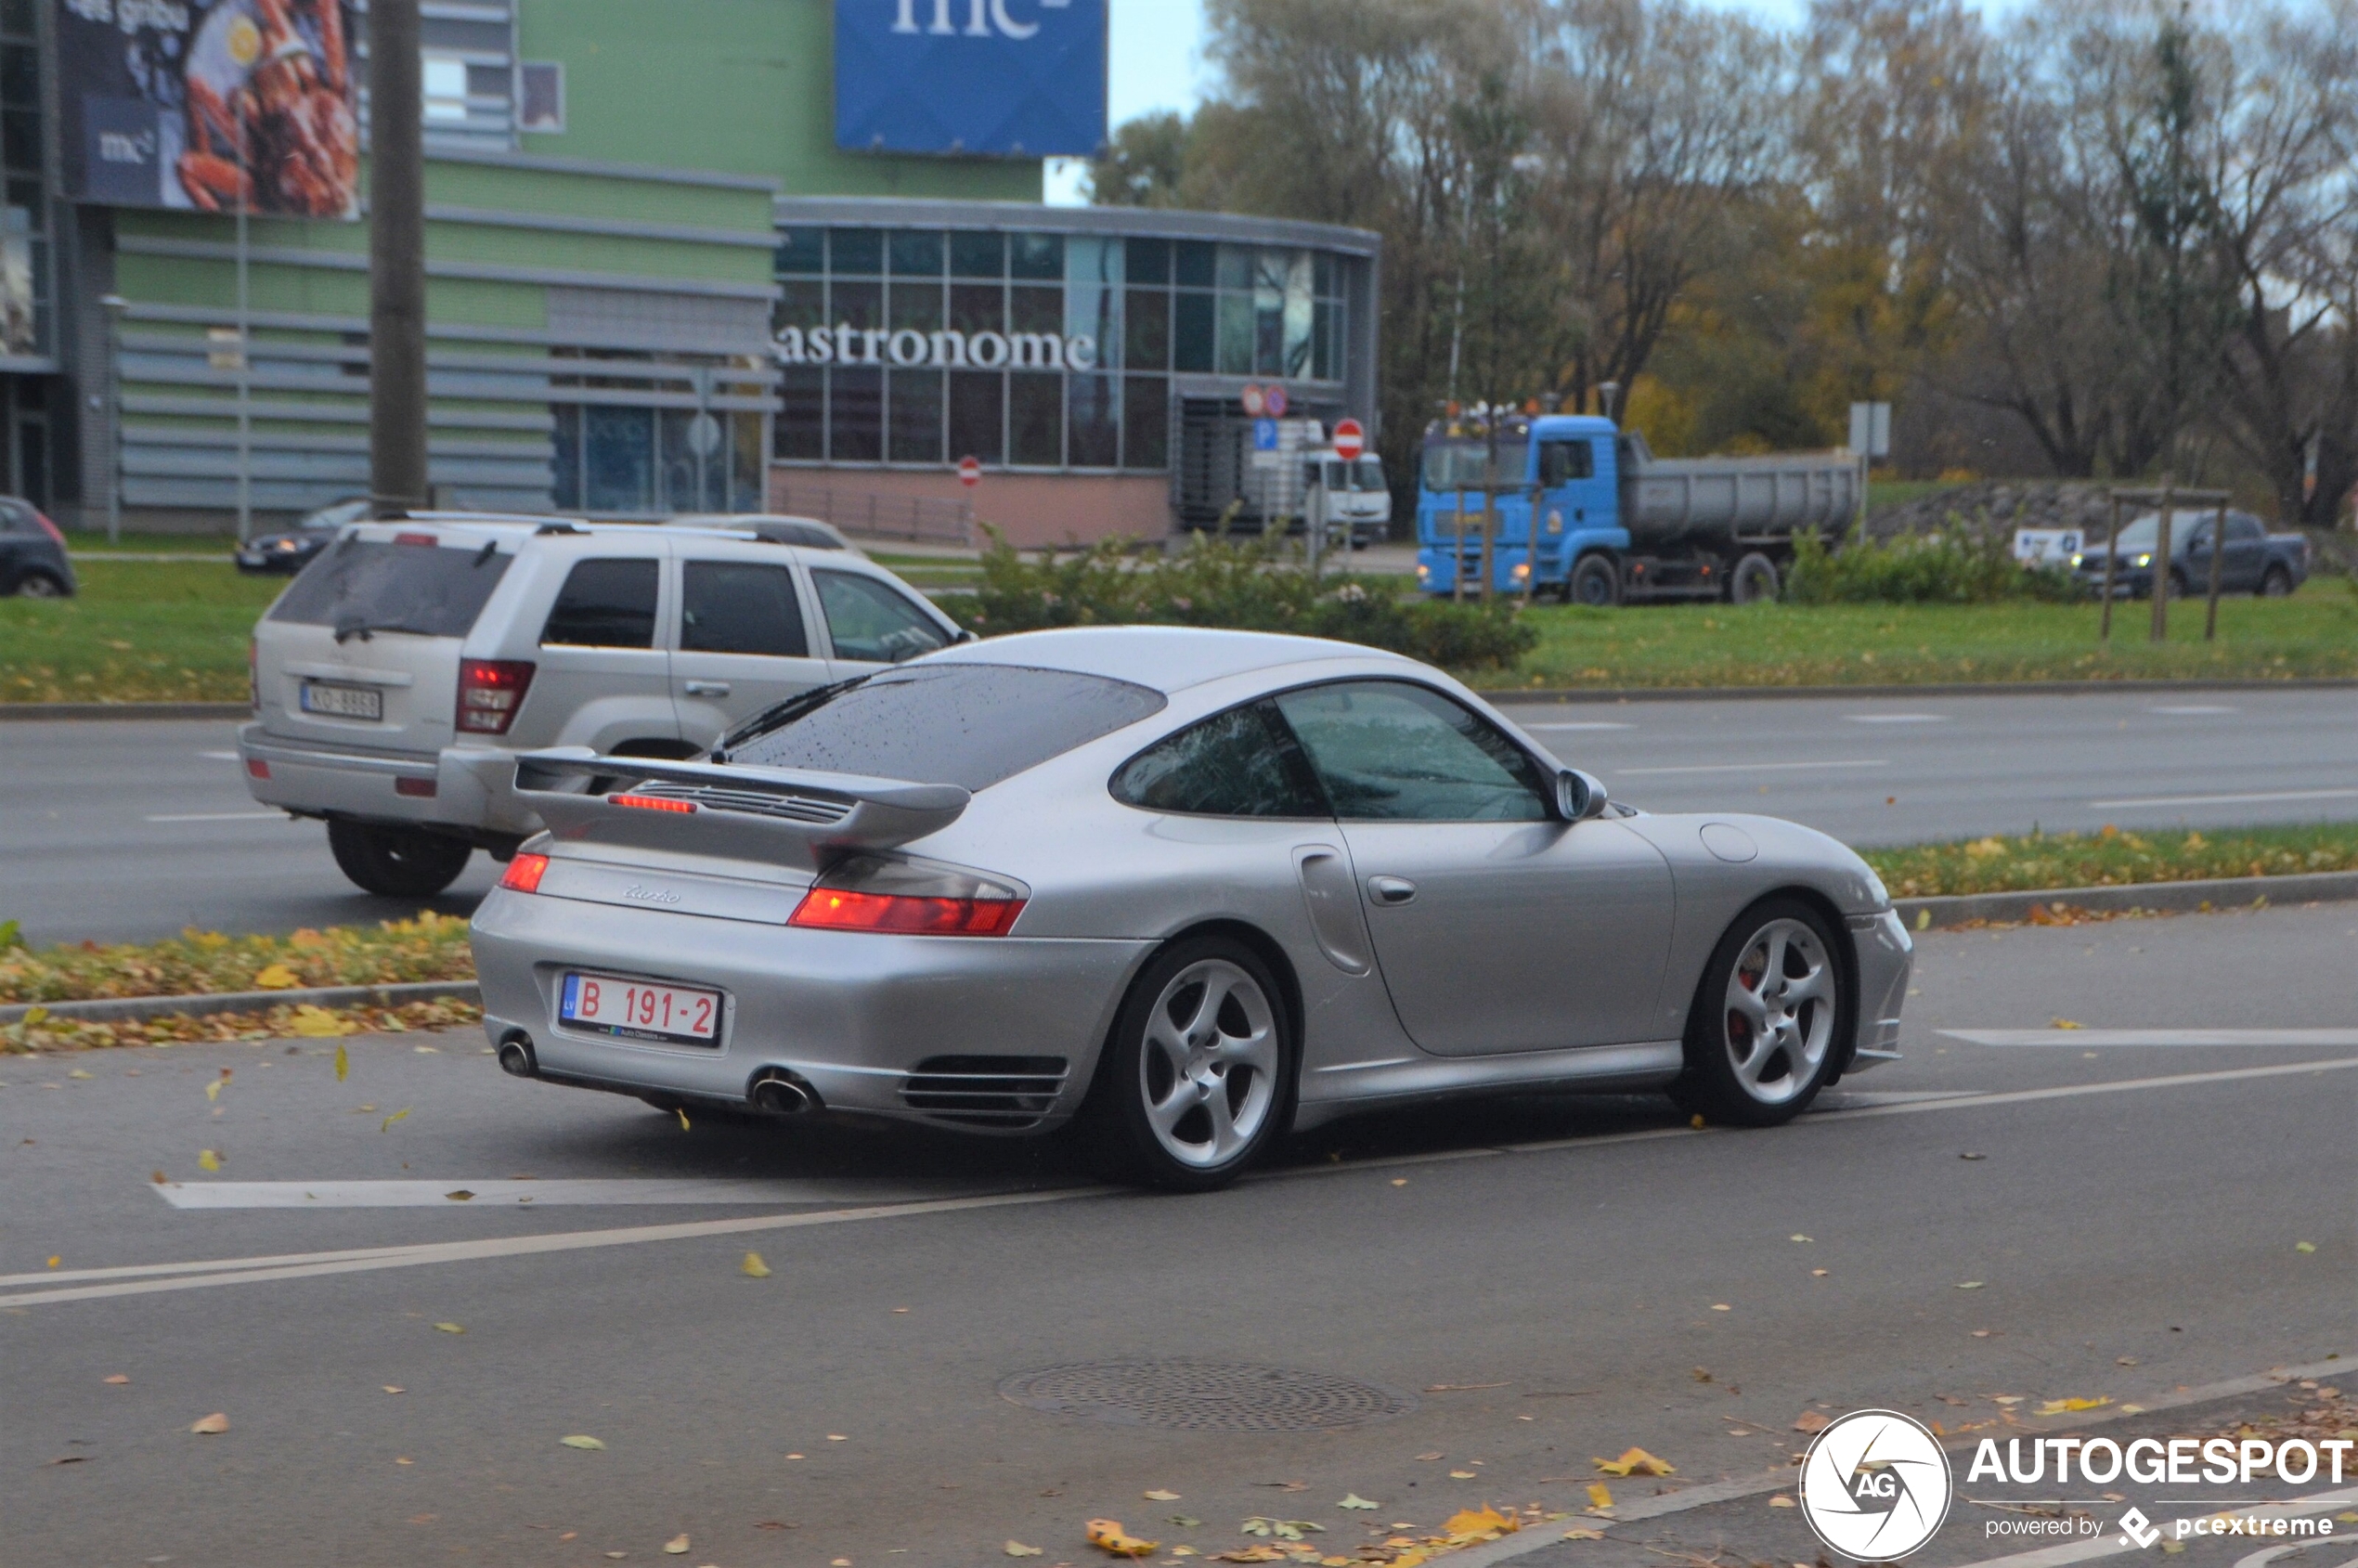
[[366, 629]]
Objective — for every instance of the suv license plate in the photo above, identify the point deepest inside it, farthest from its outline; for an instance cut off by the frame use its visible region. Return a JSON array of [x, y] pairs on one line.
[[638, 1010], [343, 702]]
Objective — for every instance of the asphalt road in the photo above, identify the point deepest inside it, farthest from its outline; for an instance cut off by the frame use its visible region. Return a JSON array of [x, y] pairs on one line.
[[129, 831], [1963, 1235]]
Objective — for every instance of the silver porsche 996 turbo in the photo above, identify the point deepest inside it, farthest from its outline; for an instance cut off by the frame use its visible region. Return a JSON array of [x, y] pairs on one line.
[[1187, 888]]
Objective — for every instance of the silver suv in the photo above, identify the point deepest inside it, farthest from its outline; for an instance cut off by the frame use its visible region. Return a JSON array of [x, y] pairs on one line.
[[396, 678]]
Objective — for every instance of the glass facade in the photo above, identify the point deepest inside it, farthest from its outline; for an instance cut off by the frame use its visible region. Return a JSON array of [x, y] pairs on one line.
[[640, 436], [24, 243], [920, 347]]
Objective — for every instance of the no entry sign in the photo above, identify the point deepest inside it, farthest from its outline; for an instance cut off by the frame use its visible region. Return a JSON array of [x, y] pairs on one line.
[[1350, 439], [969, 471]]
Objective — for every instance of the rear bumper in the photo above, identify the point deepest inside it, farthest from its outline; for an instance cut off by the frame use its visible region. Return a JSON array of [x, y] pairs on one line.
[[1887, 958], [853, 1014], [472, 789]]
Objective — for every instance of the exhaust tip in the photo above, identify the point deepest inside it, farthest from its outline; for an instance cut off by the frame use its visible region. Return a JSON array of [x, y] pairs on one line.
[[517, 1056], [778, 1093]]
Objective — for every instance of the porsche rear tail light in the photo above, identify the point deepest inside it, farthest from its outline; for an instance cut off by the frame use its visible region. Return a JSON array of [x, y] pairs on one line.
[[489, 693], [524, 873], [909, 898]]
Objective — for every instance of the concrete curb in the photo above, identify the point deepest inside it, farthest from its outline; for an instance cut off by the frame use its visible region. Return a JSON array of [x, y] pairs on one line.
[[2226, 892], [120, 1009], [1508, 696], [124, 710]]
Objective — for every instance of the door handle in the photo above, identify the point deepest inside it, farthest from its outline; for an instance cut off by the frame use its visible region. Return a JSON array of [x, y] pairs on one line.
[[1390, 889], [706, 688]]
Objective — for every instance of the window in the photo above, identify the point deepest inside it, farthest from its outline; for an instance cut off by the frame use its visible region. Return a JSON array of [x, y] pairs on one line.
[[965, 724], [424, 591], [2242, 529], [604, 605], [741, 607], [444, 80], [1240, 763], [540, 97], [1389, 750], [1561, 462], [868, 620]]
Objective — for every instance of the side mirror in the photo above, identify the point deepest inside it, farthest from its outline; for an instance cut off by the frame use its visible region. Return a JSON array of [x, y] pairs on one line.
[[970, 635], [1579, 795]]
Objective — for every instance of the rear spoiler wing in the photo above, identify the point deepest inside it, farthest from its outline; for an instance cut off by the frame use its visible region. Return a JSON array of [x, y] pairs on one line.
[[785, 815]]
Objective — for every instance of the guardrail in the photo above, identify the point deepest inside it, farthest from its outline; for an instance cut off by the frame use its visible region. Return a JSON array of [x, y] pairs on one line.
[[867, 513]]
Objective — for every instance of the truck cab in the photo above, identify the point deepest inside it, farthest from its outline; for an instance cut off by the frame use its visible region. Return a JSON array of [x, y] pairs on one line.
[[1358, 498], [1563, 470]]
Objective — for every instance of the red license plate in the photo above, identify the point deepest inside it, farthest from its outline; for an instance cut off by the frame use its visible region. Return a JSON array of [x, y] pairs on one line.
[[640, 1009]]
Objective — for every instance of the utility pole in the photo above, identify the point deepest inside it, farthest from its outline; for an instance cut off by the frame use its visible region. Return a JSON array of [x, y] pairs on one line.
[[245, 346], [397, 261]]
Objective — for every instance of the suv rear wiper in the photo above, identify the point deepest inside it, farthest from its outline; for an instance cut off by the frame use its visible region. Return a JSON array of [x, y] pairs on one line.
[[366, 629]]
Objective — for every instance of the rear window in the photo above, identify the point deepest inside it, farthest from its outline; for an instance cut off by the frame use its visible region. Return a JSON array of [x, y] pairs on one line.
[[368, 585], [965, 724]]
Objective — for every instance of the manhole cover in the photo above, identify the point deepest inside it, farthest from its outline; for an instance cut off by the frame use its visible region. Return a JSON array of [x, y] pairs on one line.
[[1205, 1396]]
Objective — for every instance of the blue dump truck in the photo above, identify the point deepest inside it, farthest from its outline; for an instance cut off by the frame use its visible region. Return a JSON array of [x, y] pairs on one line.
[[1616, 524]]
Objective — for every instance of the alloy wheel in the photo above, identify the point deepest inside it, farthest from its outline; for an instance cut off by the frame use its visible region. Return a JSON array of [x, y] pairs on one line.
[[1207, 1074], [1779, 1016]]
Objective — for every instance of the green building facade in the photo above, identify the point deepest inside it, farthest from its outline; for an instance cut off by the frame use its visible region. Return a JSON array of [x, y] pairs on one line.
[[638, 222]]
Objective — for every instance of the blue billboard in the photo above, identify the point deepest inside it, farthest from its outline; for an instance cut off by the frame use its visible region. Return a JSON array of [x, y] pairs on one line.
[[981, 78]]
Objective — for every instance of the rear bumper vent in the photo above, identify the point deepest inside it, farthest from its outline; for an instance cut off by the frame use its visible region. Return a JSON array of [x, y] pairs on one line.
[[1004, 1092]]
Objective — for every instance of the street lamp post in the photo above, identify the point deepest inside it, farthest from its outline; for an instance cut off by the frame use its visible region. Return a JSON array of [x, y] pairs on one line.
[[114, 304]]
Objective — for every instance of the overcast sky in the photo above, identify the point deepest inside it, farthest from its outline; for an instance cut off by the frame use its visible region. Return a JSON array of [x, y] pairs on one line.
[[1156, 63]]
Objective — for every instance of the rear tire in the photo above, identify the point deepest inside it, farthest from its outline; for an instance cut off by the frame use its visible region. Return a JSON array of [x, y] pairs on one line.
[[397, 862], [1198, 1077], [1594, 583], [2275, 583], [40, 585], [1754, 581], [1770, 1017]]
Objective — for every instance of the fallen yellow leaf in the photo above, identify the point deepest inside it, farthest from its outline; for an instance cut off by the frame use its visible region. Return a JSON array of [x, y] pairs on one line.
[[2304, 1246], [678, 1545], [213, 1425], [77, 1072], [1582, 1533], [1809, 1420], [2064, 1407], [317, 1023], [208, 1161], [2064, 1023], [1107, 1535], [683, 1118], [1159, 1496], [343, 1063], [394, 1388], [579, 1441], [396, 1116], [753, 1267], [1260, 1554], [1356, 1500], [1599, 1497], [1016, 1548], [1635, 1461], [212, 1090], [278, 976], [1462, 1475], [449, 1328], [1970, 1284], [1483, 1521], [1780, 1500], [461, 1195], [56, 1258], [119, 1377]]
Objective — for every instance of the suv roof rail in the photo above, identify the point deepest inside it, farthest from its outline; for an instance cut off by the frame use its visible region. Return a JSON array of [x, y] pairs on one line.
[[559, 527]]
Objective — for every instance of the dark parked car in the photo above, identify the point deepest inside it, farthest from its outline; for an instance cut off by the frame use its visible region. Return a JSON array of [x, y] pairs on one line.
[[285, 553], [2257, 561], [32, 553]]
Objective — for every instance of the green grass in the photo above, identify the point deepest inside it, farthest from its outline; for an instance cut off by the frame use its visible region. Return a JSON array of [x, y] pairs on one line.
[[139, 631], [2312, 634], [2111, 858]]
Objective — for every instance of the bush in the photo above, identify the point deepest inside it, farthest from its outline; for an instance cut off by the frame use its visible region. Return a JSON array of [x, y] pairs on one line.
[[1247, 585], [1954, 567]]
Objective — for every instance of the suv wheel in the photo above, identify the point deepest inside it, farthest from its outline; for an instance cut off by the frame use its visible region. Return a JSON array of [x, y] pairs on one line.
[[398, 862], [2276, 584], [41, 585], [1769, 1019]]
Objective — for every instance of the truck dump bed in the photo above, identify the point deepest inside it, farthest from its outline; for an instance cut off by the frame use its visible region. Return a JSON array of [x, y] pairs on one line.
[[1676, 503]]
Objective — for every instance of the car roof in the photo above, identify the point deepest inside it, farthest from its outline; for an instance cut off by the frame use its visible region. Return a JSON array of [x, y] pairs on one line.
[[1163, 658]]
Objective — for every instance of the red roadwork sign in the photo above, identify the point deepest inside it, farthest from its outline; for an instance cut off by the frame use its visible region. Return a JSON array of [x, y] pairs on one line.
[[969, 471], [1350, 439]]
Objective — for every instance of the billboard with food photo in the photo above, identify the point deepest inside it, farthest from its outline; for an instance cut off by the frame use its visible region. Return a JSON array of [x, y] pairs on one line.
[[209, 105]]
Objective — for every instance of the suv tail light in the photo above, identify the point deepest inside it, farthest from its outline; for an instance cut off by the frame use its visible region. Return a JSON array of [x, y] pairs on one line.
[[47, 527], [489, 693], [524, 873], [909, 898]]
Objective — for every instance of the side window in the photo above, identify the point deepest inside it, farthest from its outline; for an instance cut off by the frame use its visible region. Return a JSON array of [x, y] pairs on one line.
[[605, 604], [1240, 763], [1387, 749], [740, 607], [2241, 529], [868, 620], [1561, 462]]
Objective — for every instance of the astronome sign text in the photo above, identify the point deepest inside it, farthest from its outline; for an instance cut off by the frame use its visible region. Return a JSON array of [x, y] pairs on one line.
[[910, 349]]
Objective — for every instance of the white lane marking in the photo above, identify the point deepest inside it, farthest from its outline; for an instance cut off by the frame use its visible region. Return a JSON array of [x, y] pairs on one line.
[[223, 816], [146, 1278], [1757, 767], [2154, 1036], [1584, 724], [2258, 799], [1897, 717], [2113, 1543], [545, 1194], [218, 756], [2191, 709]]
